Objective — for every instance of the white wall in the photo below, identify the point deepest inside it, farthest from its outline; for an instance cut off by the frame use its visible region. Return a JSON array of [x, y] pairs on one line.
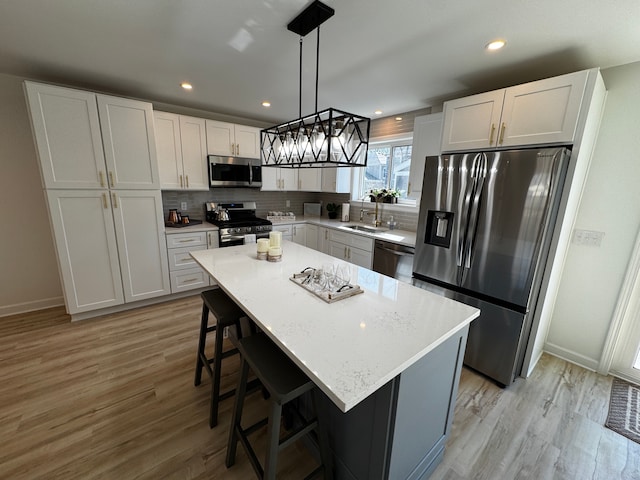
[[611, 203], [29, 272]]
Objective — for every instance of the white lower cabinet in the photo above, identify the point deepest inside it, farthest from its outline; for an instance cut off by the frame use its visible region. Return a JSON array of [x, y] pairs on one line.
[[109, 245], [299, 233], [286, 230], [185, 273], [351, 247], [323, 240], [311, 237]]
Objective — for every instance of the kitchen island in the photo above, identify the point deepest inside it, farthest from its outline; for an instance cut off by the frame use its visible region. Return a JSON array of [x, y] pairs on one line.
[[388, 360]]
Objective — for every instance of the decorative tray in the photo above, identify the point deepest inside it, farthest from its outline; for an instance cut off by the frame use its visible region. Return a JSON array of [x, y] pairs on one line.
[[180, 225], [328, 296]]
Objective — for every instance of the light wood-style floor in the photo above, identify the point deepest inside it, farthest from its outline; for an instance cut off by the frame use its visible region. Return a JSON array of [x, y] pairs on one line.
[[113, 398]]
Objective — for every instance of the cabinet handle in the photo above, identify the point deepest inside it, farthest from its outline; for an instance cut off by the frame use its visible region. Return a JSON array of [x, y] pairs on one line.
[[190, 280], [237, 149], [115, 200], [349, 252], [180, 181], [409, 188], [101, 174], [326, 234], [104, 201], [502, 133], [187, 179], [345, 253], [294, 230], [493, 130], [111, 178], [189, 240], [185, 259]]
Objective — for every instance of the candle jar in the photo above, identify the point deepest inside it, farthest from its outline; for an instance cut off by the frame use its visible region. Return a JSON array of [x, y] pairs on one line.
[[275, 239], [262, 248]]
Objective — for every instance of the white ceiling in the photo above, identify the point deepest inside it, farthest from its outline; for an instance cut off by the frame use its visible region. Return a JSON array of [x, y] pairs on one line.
[[393, 55]]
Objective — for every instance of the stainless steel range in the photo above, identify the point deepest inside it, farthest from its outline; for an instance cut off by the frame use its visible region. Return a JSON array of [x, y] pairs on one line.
[[235, 220]]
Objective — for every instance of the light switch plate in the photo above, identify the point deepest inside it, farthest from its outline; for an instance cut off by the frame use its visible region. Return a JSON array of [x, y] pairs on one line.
[[183, 206], [587, 238]]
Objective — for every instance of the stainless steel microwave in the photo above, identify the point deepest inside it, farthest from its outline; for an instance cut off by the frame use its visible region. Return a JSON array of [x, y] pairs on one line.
[[234, 171]]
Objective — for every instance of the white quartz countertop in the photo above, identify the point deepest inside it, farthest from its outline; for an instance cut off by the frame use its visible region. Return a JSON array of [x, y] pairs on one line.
[[203, 227], [402, 237], [349, 348]]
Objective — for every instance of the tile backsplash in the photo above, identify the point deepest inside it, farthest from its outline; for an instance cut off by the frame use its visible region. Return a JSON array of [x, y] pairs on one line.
[[276, 201]]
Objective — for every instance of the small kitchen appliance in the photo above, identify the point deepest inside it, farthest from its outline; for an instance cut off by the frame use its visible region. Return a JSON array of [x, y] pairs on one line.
[[235, 220]]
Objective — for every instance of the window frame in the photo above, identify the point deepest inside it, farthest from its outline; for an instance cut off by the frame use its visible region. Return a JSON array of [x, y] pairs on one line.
[[398, 140]]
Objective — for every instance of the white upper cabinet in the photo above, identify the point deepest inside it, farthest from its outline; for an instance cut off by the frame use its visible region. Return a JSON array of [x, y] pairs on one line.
[[182, 151], [541, 112], [427, 132], [229, 139], [310, 179], [129, 143], [336, 179], [471, 122], [66, 128], [279, 179], [169, 148]]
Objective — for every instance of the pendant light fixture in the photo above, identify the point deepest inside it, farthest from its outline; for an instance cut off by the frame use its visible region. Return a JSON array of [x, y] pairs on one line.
[[330, 138]]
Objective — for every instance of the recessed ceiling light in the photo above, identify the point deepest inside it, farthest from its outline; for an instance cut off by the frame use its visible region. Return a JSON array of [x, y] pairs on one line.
[[186, 85], [398, 118], [378, 112], [495, 45], [266, 104]]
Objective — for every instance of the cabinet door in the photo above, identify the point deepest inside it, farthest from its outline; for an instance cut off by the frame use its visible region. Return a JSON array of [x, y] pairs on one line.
[[129, 143], [247, 141], [220, 138], [300, 234], [323, 239], [67, 134], [310, 179], [141, 242], [427, 132], [169, 150], [472, 122], [288, 179], [360, 257], [312, 233], [336, 180], [270, 179], [545, 111], [194, 153], [86, 245], [338, 250]]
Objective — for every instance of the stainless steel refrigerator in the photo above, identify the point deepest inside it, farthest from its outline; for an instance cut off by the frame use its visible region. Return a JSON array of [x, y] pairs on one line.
[[484, 234]]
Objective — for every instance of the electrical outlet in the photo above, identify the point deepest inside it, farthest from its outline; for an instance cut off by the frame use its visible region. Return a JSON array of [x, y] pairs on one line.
[[287, 204], [183, 206], [588, 238]]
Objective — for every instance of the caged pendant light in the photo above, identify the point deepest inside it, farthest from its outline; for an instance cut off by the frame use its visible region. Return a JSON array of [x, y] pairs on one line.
[[330, 138]]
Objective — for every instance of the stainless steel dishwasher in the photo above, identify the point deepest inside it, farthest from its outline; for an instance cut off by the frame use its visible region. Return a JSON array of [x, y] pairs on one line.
[[393, 260]]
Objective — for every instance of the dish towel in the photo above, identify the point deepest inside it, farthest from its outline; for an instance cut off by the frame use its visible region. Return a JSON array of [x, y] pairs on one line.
[[250, 238]]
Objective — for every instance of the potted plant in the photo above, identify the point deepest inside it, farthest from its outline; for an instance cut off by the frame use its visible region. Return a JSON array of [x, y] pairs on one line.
[[385, 195], [332, 210]]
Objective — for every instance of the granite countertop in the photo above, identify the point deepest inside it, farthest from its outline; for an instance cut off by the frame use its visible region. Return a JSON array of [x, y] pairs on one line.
[[349, 348]]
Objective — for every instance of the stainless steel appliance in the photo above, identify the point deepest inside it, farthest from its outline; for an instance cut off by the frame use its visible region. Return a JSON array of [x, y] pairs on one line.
[[393, 260], [237, 220], [484, 233], [234, 171]]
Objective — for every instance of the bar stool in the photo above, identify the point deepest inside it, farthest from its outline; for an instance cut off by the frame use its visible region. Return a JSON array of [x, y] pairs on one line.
[[227, 314], [284, 382]]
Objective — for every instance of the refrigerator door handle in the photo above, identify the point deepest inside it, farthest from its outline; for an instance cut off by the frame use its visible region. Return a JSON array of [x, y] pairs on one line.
[[464, 223], [479, 174]]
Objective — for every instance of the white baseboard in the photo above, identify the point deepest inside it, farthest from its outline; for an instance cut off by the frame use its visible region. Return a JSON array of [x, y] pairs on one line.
[[571, 356], [6, 310]]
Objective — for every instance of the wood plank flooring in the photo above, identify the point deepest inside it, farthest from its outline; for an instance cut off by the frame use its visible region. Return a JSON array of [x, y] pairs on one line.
[[113, 398]]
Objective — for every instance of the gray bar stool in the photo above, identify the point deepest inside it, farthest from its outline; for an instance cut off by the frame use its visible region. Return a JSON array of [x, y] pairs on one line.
[[285, 382], [227, 314]]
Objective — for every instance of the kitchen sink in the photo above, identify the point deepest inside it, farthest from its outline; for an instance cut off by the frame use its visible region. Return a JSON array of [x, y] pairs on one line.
[[363, 228]]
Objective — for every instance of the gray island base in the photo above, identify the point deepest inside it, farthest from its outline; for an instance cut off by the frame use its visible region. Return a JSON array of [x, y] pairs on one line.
[[400, 431]]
